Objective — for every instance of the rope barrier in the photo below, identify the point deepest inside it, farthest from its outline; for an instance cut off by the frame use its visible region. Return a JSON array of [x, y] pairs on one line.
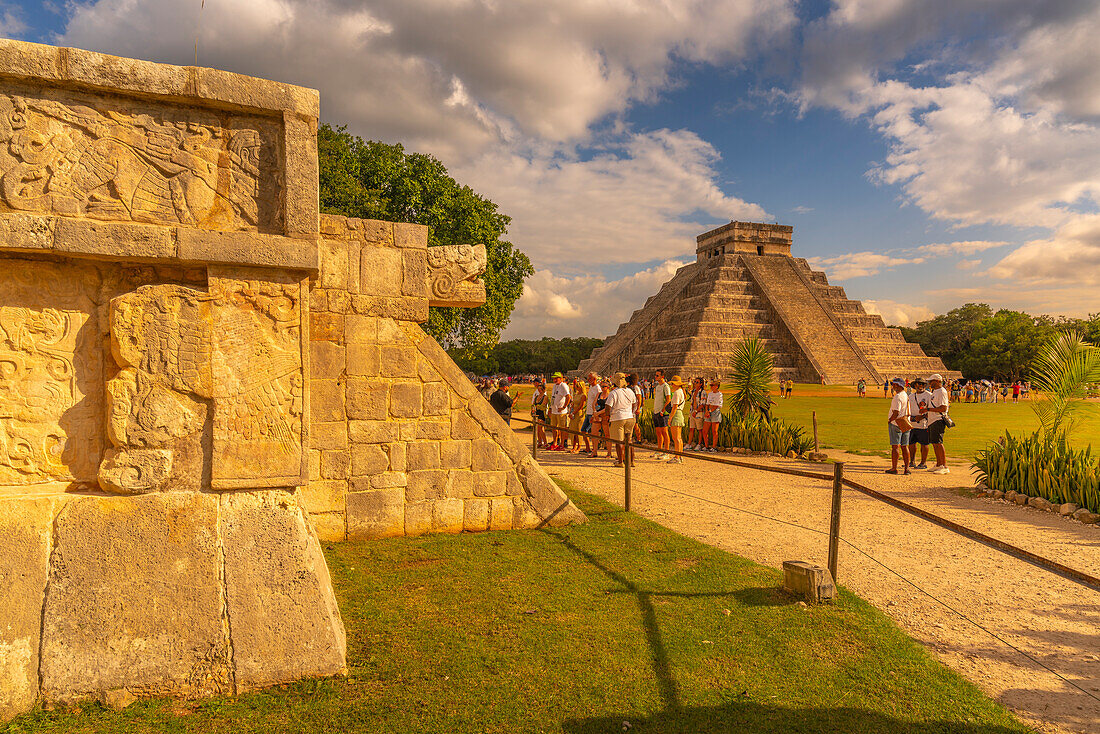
[[1080, 577], [901, 576]]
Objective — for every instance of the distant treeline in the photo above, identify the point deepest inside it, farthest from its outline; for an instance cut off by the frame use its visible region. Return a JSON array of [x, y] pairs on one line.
[[997, 345], [524, 356]]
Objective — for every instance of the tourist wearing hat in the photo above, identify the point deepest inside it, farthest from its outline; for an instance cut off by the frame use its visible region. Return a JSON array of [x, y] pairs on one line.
[[661, 394], [620, 407], [676, 419], [592, 393], [576, 413], [919, 400], [538, 411], [560, 399], [937, 413], [712, 416], [899, 435], [502, 401]]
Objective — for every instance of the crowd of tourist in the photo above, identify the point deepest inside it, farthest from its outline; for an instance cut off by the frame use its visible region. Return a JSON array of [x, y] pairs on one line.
[[595, 409]]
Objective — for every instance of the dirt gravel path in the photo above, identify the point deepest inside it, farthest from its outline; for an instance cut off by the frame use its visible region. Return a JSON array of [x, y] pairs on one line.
[[1054, 620]]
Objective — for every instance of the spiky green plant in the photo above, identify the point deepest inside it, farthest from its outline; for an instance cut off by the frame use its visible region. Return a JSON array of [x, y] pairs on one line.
[[1061, 375], [752, 372]]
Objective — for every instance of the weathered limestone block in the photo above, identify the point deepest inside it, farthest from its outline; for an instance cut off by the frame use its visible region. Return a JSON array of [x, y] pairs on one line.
[[418, 518], [372, 431], [282, 610], [26, 526], [398, 453], [430, 484], [422, 455], [501, 512], [335, 464], [326, 401], [464, 427], [433, 430], [331, 527], [447, 516], [476, 515], [546, 497], [134, 599], [460, 483], [405, 399], [326, 360], [490, 483], [380, 271], [328, 435], [523, 515], [324, 495], [326, 326], [364, 359], [368, 459], [398, 360], [367, 399], [376, 514], [437, 399], [456, 454], [487, 456]]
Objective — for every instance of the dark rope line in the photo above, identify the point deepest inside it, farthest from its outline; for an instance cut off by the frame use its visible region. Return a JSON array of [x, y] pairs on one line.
[[856, 548]]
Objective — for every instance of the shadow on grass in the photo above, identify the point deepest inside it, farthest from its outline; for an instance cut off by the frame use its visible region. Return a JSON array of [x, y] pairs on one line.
[[749, 716]]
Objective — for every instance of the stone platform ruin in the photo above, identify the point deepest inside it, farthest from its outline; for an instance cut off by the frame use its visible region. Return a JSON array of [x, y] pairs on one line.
[[745, 283], [201, 376]]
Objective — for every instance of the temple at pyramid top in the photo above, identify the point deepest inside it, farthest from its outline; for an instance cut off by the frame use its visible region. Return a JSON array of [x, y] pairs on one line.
[[746, 283]]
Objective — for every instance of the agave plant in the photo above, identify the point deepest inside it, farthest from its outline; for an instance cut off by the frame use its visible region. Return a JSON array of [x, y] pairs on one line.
[[1061, 374], [752, 372]]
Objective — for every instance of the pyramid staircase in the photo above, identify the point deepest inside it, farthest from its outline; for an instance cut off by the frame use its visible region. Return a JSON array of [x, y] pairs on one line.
[[741, 288]]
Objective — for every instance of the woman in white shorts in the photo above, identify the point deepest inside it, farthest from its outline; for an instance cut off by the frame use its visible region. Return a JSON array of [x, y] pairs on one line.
[[712, 416]]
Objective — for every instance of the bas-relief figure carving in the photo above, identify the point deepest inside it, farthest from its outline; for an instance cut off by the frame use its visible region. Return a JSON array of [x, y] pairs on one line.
[[49, 372], [152, 164], [231, 356], [454, 275]]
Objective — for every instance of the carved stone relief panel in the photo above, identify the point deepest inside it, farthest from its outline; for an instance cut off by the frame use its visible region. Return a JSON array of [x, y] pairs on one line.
[[50, 373], [126, 160], [209, 391], [454, 275], [257, 379]]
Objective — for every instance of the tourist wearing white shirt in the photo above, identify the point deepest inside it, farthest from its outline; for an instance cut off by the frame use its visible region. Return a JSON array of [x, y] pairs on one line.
[[712, 415], [937, 412], [919, 400], [620, 407], [899, 439], [560, 399], [590, 408]]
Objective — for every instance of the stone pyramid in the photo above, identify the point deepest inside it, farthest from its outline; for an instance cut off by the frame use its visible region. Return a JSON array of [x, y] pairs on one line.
[[745, 283]]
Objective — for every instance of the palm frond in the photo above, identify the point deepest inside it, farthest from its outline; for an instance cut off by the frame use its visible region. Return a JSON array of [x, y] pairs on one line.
[[752, 373], [1061, 375]]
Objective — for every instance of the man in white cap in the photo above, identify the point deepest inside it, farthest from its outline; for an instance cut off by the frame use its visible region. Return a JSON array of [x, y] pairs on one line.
[[936, 410]]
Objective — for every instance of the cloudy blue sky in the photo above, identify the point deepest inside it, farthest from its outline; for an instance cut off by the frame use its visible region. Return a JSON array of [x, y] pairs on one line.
[[927, 152]]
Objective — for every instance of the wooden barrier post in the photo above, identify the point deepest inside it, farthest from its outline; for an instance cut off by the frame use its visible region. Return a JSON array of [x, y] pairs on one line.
[[626, 471], [834, 520], [816, 449]]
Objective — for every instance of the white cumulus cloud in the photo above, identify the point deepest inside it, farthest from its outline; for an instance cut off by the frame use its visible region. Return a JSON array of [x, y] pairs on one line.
[[898, 314], [583, 305]]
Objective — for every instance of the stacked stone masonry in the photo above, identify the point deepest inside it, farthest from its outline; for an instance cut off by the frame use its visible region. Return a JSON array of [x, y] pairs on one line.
[[402, 442], [200, 377], [745, 284]]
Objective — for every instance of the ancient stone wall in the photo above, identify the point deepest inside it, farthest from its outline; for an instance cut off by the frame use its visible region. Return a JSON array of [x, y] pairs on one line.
[[402, 443], [194, 376], [158, 230]]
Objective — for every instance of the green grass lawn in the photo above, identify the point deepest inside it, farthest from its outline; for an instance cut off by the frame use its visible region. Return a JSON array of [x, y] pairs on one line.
[[579, 630], [859, 425]]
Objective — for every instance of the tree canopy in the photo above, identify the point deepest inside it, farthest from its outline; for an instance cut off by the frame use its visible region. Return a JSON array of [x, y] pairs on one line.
[[523, 356], [373, 180], [998, 345]]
